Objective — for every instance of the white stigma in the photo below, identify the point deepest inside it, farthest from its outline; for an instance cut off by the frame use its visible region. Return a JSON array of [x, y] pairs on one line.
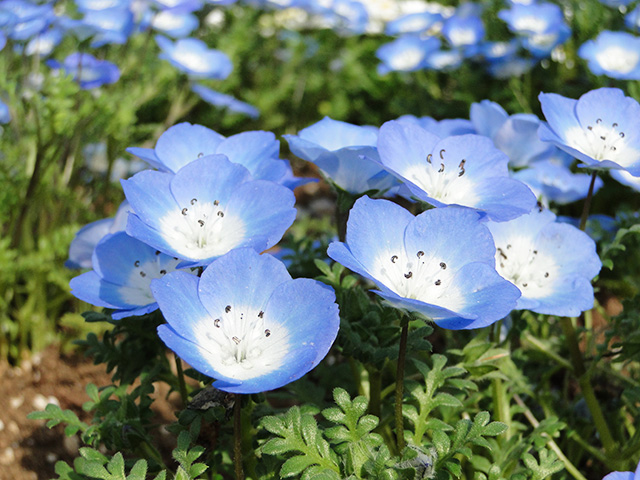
[[244, 343], [442, 181], [137, 291], [201, 230], [534, 272]]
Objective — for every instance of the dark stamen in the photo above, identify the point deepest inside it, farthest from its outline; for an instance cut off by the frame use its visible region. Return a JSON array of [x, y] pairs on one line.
[[438, 282], [185, 210], [394, 258], [267, 332], [261, 314], [546, 274], [236, 340], [420, 254], [443, 265], [408, 275], [429, 158], [142, 274], [163, 272], [221, 214], [227, 308], [441, 168], [201, 223], [442, 154], [137, 263], [216, 202], [216, 323]]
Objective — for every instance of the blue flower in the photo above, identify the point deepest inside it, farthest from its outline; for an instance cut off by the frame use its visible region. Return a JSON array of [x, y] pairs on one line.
[[515, 135], [85, 241], [442, 128], [111, 26], [551, 263], [463, 30], [175, 22], [413, 23], [26, 19], [246, 323], [5, 114], [257, 151], [226, 101], [552, 182], [602, 128], [207, 208], [464, 170], [624, 475], [192, 57], [87, 70], [614, 54], [123, 268], [44, 43], [345, 153], [439, 263], [406, 53]]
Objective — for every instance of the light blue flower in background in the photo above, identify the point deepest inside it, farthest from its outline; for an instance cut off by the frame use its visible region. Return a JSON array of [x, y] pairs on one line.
[[463, 30], [97, 5], [551, 182], [515, 135], [255, 150], [444, 60], [5, 114], [193, 57], [626, 178], [345, 153], [439, 264], [85, 241], [206, 209], [175, 22], [406, 53], [24, 19], [111, 25], [601, 128], [463, 170], [551, 263], [87, 70], [246, 323], [226, 101], [614, 54], [123, 268], [413, 23]]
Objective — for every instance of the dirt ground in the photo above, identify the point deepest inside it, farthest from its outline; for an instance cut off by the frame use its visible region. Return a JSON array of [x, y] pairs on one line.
[[28, 449]]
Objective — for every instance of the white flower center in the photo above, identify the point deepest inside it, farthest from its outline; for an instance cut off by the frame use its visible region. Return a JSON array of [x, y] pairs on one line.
[[530, 23], [194, 61], [618, 59], [602, 142], [201, 230], [137, 291], [407, 59], [244, 343], [462, 36], [532, 271], [446, 184]]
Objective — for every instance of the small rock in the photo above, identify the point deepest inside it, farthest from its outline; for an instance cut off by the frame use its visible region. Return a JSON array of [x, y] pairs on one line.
[[16, 402], [51, 457], [7, 456], [12, 427], [1, 425], [40, 402], [71, 445]]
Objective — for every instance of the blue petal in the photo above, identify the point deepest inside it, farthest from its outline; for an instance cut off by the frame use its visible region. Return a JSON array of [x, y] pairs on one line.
[[137, 312], [333, 135], [487, 117], [250, 148], [432, 312], [265, 208], [560, 114], [242, 277], [208, 179], [90, 288], [115, 256], [149, 195], [83, 244], [503, 198], [146, 234], [620, 476], [184, 143], [149, 156]]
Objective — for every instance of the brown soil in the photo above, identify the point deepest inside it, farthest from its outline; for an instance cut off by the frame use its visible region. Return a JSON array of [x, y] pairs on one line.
[[28, 449]]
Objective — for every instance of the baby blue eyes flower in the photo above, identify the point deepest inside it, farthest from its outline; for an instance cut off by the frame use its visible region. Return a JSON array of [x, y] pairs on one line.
[[406, 53], [246, 323], [601, 128], [614, 54], [464, 170], [227, 101], [624, 475], [206, 209], [87, 70], [439, 264], [257, 151], [123, 268], [551, 263], [192, 57], [345, 153], [5, 114]]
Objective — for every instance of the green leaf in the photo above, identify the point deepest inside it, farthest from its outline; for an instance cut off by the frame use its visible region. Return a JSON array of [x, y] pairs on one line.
[[441, 442], [139, 471], [295, 465], [494, 429]]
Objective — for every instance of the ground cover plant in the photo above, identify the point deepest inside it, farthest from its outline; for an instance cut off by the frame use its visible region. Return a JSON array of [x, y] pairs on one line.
[[359, 240]]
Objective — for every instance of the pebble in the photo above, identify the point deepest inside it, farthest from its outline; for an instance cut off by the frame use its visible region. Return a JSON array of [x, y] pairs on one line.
[[71, 445], [16, 402], [7, 456], [40, 402], [1, 425], [51, 457], [12, 427]]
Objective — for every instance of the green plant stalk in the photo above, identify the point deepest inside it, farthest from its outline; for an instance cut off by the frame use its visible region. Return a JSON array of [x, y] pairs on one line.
[[375, 389], [181, 384], [151, 452], [501, 405], [584, 379], [400, 386], [237, 437], [529, 340], [587, 203], [571, 468]]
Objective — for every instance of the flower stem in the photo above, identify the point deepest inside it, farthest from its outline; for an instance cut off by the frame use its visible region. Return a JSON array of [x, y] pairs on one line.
[[400, 386], [587, 202], [375, 388], [181, 384], [237, 437]]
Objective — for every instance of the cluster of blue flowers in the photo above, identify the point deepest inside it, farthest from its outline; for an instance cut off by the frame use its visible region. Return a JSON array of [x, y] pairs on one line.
[[190, 235]]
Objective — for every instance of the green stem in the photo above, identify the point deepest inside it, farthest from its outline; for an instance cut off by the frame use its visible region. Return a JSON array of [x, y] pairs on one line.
[[571, 468], [587, 203], [400, 386], [529, 340], [151, 452], [501, 405], [375, 389], [181, 384], [237, 437], [584, 379]]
